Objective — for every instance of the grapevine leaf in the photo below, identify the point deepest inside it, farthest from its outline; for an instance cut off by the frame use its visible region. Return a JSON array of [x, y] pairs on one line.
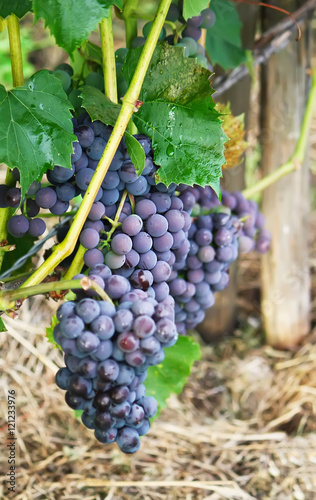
[[78, 413], [136, 152], [2, 326], [35, 127], [171, 375], [49, 333], [223, 42], [193, 8], [71, 21], [17, 7], [99, 106], [22, 246], [178, 113]]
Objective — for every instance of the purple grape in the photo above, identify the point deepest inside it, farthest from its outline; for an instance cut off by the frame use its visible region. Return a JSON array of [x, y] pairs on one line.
[[46, 197], [36, 227], [18, 226]]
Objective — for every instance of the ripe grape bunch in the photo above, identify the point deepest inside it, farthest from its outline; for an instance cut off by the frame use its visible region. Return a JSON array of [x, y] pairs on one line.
[[108, 348]]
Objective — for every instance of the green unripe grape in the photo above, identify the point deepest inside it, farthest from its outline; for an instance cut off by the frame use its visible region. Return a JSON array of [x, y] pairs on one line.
[[191, 44], [186, 48], [95, 80], [74, 98], [147, 28], [202, 61], [138, 41], [120, 55], [64, 78], [65, 67], [121, 82], [200, 50]]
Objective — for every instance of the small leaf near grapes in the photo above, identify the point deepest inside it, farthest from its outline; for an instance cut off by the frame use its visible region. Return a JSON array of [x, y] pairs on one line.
[[35, 127], [171, 375]]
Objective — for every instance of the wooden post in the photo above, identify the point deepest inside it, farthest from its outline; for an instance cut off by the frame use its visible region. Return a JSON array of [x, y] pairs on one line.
[[285, 269], [221, 318]]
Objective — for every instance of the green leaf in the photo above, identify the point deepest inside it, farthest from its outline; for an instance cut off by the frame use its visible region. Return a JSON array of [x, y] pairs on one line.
[[193, 8], [171, 375], [223, 42], [136, 152], [35, 127], [78, 413], [49, 333], [99, 106], [17, 7], [2, 326], [178, 113], [22, 246], [71, 21]]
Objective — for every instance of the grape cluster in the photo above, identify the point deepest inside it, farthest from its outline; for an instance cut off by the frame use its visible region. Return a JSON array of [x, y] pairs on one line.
[[217, 234], [108, 349]]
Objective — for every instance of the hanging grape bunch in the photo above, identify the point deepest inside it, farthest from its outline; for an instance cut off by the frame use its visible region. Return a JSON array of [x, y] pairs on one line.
[[156, 244]]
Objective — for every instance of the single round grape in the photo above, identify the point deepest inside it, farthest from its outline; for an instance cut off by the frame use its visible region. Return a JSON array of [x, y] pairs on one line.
[[13, 197], [95, 80], [145, 208], [142, 242], [147, 28], [127, 342], [139, 187], [120, 55], [46, 197], [87, 367], [103, 351], [157, 225], [209, 18], [191, 45], [62, 378], [59, 208], [66, 191], [87, 342], [128, 173], [110, 197], [135, 358], [138, 41], [75, 402], [93, 257], [65, 67], [161, 291], [192, 32], [119, 394], [185, 47], [83, 178], [132, 259], [89, 238], [162, 201], [142, 279], [108, 370], [63, 77], [113, 260], [59, 175], [173, 13], [123, 320], [85, 135], [18, 226], [132, 225], [147, 260], [88, 309], [126, 375], [161, 271], [36, 227], [121, 244], [106, 437], [150, 345], [95, 151]]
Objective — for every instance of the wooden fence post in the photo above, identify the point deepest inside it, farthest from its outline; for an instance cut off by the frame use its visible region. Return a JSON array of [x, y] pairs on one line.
[[221, 318], [285, 269]]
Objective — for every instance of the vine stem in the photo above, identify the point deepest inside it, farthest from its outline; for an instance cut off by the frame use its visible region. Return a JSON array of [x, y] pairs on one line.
[[128, 108], [108, 58], [130, 21], [110, 90], [76, 265], [297, 158], [17, 77], [8, 298]]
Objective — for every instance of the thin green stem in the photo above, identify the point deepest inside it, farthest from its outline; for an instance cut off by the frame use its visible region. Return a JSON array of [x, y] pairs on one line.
[[15, 50], [9, 298], [108, 58], [76, 265], [297, 158], [130, 20], [115, 223], [128, 107], [17, 77]]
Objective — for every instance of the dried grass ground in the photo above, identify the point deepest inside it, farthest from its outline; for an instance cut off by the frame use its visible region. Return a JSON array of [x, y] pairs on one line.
[[244, 427]]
